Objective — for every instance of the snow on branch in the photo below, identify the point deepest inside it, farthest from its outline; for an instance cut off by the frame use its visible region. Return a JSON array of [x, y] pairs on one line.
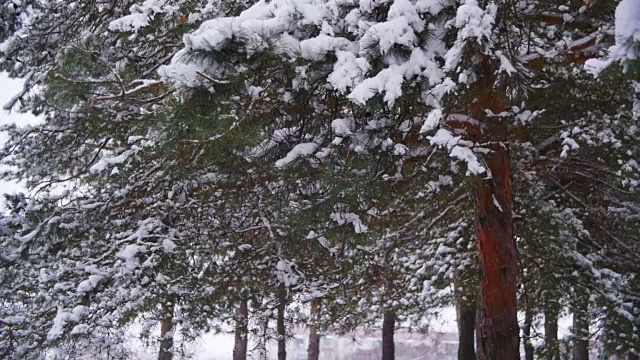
[[627, 38], [300, 150], [139, 86], [25, 89], [444, 138]]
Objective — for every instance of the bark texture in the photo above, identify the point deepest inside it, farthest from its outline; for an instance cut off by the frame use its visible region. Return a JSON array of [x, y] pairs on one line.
[[581, 327], [552, 348], [388, 330], [241, 336], [497, 330], [166, 334], [466, 313], [313, 351]]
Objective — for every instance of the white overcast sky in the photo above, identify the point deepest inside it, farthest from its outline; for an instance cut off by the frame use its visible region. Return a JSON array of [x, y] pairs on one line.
[[8, 88]]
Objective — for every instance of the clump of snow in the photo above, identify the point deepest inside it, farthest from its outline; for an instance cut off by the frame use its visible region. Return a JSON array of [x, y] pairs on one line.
[[385, 35], [343, 127], [129, 255], [317, 48], [388, 80], [465, 154], [80, 329], [214, 34], [435, 186], [405, 9], [444, 138], [391, 79], [254, 91], [472, 22], [168, 246], [286, 272], [400, 149], [141, 15], [348, 217], [348, 71], [505, 64], [184, 74], [432, 121], [89, 284], [60, 322], [628, 22], [105, 162], [568, 144], [298, 151], [627, 34]]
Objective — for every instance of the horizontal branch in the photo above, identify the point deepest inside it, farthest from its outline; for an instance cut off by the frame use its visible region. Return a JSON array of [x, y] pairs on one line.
[[143, 85], [578, 51]]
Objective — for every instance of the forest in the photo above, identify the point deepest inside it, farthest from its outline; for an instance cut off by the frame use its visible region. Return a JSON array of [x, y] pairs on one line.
[[256, 167]]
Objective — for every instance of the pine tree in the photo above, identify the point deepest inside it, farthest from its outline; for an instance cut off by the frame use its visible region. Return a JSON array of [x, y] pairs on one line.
[[252, 155]]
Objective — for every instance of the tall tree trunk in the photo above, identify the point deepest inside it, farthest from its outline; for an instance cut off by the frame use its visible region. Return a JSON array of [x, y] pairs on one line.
[[263, 339], [581, 326], [526, 332], [466, 314], [166, 332], [497, 331], [313, 352], [552, 349], [241, 336], [282, 335], [388, 330]]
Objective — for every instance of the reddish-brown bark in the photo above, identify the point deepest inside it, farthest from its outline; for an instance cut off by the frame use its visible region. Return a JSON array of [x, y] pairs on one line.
[[497, 328], [497, 331]]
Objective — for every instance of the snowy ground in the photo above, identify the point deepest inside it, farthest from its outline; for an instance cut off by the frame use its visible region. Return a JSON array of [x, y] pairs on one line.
[[432, 346], [439, 344]]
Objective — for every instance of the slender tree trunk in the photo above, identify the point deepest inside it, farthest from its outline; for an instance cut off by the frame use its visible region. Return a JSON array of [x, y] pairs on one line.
[[466, 313], [552, 349], [263, 339], [497, 331], [313, 352], [282, 335], [388, 330], [526, 332], [166, 333], [581, 327], [241, 336]]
